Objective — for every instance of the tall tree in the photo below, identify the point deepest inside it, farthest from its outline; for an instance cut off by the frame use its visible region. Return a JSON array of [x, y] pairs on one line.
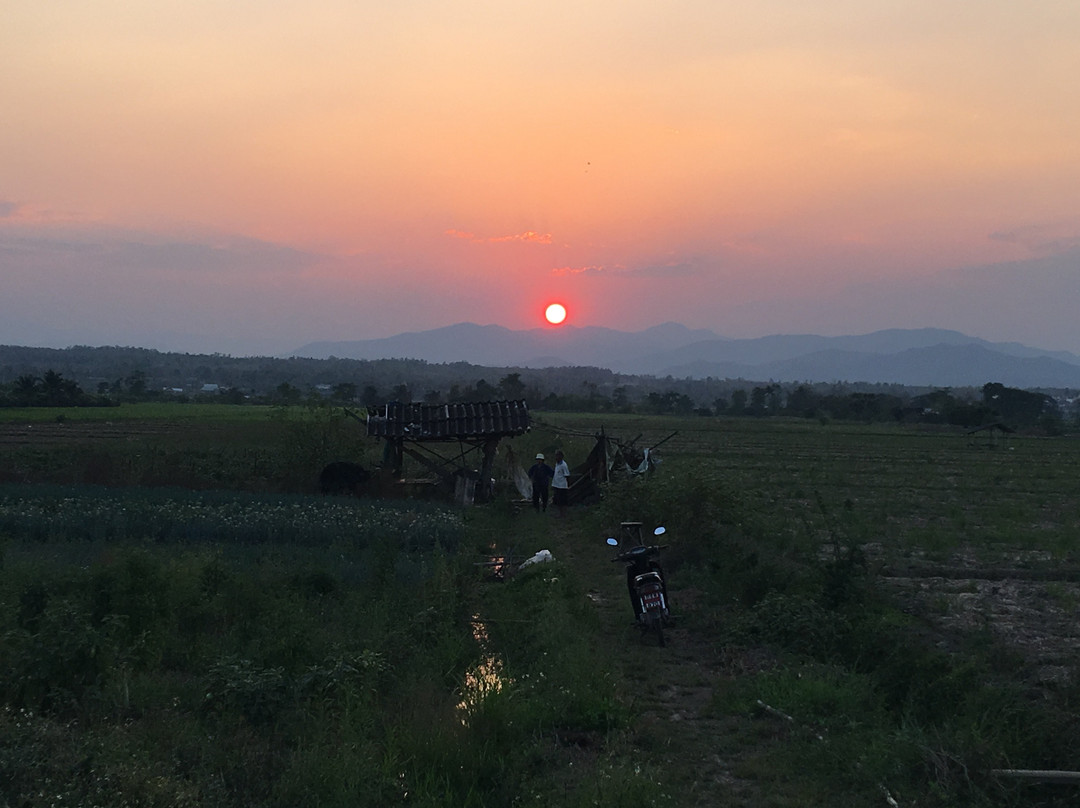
[[511, 387], [26, 391], [344, 391], [1019, 406]]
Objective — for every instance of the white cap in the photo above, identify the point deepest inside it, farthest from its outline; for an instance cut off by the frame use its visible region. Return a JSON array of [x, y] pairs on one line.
[[539, 457]]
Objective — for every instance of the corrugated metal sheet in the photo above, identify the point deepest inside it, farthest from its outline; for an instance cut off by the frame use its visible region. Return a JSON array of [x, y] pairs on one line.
[[448, 421]]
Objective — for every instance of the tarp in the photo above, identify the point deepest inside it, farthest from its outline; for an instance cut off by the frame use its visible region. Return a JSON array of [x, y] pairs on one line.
[[522, 482]]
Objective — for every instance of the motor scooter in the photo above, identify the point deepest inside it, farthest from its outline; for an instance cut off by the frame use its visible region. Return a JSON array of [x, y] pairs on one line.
[[645, 580]]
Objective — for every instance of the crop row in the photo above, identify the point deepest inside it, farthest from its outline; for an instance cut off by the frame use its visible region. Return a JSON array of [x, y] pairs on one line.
[[88, 513]]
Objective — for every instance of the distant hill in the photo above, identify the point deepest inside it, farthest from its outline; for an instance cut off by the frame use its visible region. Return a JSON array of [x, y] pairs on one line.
[[496, 346], [926, 356]]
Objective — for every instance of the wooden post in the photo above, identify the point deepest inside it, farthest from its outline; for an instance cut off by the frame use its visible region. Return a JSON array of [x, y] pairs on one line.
[[491, 445]]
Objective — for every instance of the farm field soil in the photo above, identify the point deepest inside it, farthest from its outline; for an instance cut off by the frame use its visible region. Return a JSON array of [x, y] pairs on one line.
[[45, 433], [145, 411], [44, 427]]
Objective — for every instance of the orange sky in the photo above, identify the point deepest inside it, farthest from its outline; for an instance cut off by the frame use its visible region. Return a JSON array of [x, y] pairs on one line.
[[252, 176]]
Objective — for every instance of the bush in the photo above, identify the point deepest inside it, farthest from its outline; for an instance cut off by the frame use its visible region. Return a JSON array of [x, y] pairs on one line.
[[800, 624]]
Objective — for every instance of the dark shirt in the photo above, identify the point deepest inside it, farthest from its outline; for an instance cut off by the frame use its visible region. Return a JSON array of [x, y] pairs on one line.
[[541, 474]]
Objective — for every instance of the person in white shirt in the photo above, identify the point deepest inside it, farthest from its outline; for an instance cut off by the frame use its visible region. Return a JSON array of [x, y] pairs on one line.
[[560, 484]]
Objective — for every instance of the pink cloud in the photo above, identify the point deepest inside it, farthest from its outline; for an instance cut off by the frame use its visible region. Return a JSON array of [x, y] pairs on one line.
[[530, 236], [462, 234], [589, 270], [643, 271]]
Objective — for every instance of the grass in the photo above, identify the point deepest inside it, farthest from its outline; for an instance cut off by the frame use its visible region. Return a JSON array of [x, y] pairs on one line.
[[188, 673], [221, 648], [270, 449], [325, 661], [753, 512], [140, 411]]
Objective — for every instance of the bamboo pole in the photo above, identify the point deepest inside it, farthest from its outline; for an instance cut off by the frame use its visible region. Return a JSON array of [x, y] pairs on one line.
[[1039, 775]]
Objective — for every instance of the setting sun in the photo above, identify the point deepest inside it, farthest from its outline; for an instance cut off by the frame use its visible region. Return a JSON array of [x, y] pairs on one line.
[[555, 313]]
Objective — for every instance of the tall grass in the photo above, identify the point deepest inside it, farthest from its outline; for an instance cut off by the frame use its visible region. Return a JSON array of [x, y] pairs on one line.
[[225, 649], [174, 648], [874, 695]]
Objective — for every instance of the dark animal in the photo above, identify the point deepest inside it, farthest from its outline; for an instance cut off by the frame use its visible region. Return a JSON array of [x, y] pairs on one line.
[[343, 478]]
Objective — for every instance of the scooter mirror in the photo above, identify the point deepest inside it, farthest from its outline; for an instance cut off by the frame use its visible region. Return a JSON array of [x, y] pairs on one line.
[[660, 531], [613, 542]]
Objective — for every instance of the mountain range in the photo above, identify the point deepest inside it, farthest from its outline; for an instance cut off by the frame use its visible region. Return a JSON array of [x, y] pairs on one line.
[[916, 357]]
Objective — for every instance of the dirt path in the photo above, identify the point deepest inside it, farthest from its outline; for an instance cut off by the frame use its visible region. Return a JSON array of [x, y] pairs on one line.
[[694, 749]]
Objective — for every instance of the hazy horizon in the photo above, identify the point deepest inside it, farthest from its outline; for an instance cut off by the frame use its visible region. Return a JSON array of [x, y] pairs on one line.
[[247, 179]]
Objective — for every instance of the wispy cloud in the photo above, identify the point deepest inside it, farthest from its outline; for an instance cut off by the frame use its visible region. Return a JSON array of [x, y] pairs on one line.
[[589, 270], [22, 213], [530, 236], [461, 234], [130, 251], [673, 270], [1051, 238], [681, 269]]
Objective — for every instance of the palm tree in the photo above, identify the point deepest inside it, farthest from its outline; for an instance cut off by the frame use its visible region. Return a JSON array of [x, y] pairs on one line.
[[27, 390]]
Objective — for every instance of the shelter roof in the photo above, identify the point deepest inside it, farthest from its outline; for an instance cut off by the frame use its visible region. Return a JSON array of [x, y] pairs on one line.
[[419, 422], [998, 425]]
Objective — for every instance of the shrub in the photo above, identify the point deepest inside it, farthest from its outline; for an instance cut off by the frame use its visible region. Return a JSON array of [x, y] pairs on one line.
[[800, 624]]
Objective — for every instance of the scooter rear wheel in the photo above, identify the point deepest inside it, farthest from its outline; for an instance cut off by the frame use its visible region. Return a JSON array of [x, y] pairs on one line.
[[654, 622]]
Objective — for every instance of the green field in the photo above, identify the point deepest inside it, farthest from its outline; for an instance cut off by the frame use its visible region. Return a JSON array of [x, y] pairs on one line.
[[246, 448], [144, 411], [864, 613]]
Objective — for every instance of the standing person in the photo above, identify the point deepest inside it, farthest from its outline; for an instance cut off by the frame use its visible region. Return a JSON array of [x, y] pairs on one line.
[[540, 475], [560, 484]]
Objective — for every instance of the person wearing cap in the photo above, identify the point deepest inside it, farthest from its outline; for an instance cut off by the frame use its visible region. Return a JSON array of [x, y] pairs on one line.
[[540, 475]]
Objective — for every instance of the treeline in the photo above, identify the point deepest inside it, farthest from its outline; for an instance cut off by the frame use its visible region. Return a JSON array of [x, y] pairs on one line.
[[109, 370], [993, 403], [50, 390], [107, 376]]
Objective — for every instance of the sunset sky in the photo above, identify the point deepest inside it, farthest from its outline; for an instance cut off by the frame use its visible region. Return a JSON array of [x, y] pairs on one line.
[[246, 177]]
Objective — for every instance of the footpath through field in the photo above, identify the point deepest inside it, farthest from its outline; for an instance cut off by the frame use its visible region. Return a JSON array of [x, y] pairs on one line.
[[689, 749]]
